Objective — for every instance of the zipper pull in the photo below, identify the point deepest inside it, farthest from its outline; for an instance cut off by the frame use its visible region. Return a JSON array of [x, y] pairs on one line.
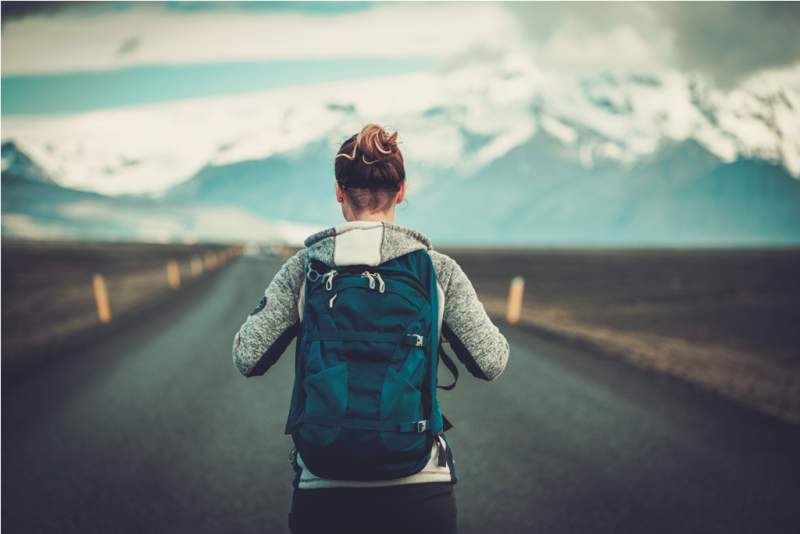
[[329, 282], [330, 302], [381, 285], [368, 275]]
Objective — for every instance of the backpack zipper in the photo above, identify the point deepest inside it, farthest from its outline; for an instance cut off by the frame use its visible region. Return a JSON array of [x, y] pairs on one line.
[[400, 276], [409, 281], [375, 280]]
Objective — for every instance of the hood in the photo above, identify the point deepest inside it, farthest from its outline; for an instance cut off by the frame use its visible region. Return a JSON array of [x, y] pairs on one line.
[[364, 243]]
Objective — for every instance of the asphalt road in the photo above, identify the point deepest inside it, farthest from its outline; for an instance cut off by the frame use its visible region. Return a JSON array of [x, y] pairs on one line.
[[154, 430]]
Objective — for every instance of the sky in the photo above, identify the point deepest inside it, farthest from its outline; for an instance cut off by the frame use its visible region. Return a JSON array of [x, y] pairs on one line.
[[64, 57], [72, 73], [73, 57]]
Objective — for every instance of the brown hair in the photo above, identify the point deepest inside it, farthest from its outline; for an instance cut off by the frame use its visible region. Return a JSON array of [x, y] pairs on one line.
[[369, 168]]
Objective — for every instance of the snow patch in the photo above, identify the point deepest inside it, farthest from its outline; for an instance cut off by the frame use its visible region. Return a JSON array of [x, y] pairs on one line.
[[559, 130]]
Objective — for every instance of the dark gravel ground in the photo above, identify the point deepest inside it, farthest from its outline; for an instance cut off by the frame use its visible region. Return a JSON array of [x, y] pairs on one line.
[[745, 299], [49, 284]]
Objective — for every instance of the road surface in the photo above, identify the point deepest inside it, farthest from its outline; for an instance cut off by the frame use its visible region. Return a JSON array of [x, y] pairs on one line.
[[154, 430]]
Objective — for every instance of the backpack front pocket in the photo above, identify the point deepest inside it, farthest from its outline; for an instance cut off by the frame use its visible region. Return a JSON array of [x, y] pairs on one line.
[[401, 402], [326, 396]]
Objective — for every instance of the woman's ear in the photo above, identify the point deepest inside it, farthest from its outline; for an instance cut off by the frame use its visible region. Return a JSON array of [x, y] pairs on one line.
[[339, 193], [401, 193]]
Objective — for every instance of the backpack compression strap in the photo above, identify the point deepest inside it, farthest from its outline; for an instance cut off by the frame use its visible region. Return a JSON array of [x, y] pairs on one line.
[[415, 340], [451, 366]]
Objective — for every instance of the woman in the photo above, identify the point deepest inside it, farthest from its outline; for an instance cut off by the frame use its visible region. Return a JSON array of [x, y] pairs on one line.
[[370, 182]]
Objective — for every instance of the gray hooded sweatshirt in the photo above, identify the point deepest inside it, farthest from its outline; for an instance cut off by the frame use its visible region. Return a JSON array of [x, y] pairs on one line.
[[270, 328]]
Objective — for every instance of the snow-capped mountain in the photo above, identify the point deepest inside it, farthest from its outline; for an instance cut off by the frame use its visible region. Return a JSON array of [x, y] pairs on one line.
[[34, 207], [17, 164], [542, 156], [537, 193], [460, 116]]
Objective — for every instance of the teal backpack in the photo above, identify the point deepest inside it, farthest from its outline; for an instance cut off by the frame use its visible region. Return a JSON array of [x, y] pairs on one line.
[[364, 403]]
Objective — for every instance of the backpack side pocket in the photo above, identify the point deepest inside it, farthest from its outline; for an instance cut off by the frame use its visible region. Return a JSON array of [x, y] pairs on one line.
[[401, 402], [326, 396]]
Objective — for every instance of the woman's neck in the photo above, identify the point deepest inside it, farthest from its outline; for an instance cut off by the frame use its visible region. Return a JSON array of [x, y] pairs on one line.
[[384, 216]]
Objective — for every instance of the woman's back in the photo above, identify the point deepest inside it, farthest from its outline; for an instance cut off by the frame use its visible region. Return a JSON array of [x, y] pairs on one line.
[[370, 238]]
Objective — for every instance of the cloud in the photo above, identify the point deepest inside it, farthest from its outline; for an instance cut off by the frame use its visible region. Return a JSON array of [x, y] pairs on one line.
[[129, 46], [580, 34], [730, 41], [145, 34], [727, 42]]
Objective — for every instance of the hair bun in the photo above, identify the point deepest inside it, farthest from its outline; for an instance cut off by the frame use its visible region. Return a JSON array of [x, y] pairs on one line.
[[376, 143], [370, 159]]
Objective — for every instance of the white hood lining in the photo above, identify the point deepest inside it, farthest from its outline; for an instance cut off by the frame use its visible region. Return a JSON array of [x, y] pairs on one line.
[[358, 243]]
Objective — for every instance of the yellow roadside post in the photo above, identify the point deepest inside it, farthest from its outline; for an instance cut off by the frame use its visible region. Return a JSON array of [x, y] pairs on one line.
[[173, 274], [196, 266], [514, 307], [101, 298]]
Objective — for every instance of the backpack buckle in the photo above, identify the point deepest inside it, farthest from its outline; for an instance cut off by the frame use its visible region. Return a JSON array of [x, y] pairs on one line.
[[422, 426], [415, 340]]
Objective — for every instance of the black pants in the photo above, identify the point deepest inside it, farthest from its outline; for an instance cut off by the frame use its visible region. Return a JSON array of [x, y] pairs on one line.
[[409, 508]]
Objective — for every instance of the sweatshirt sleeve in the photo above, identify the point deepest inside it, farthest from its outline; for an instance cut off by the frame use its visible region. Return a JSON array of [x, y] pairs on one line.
[[274, 322], [474, 339]]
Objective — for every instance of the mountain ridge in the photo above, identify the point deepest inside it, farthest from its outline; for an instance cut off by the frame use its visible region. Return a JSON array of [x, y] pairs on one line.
[[461, 118]]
